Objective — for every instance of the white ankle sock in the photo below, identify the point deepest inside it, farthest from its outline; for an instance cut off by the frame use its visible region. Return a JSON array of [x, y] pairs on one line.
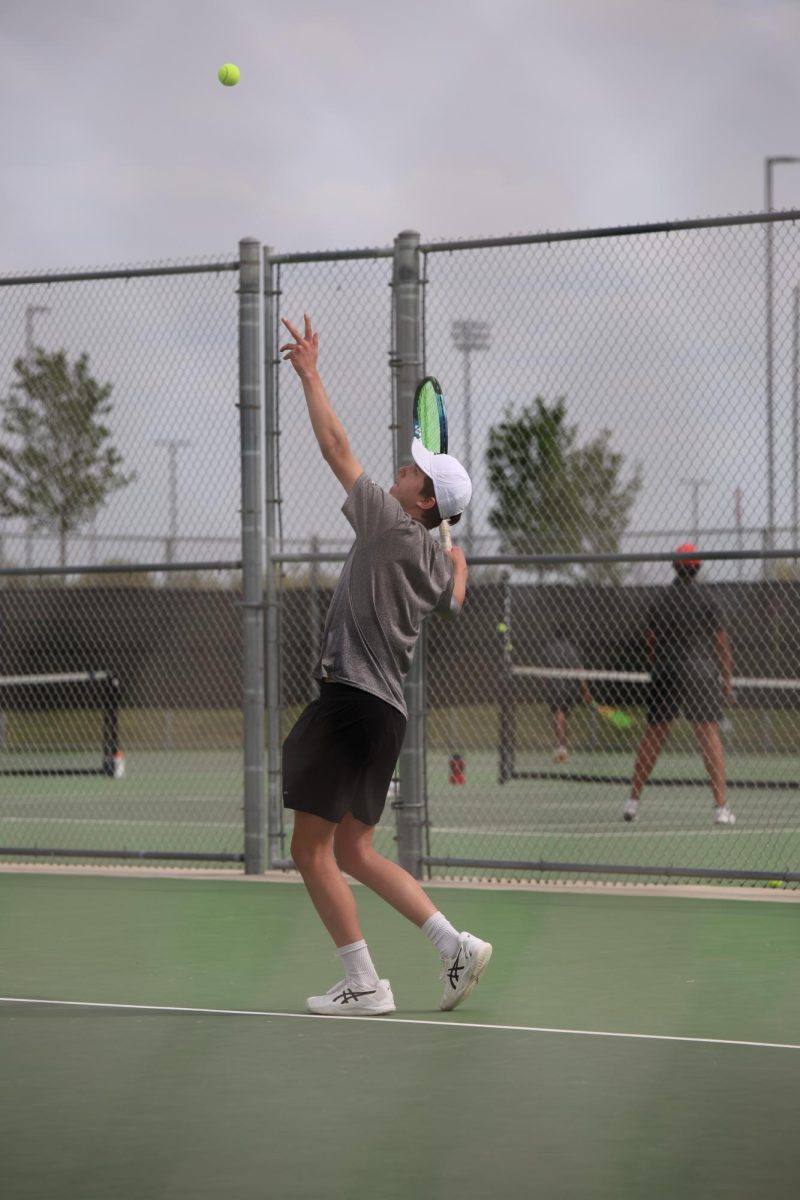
[[358, 966], [443, 935]]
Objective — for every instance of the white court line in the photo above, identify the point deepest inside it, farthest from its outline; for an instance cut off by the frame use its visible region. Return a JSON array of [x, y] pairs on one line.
[[566, 831], [118, 821], [442, 1024]]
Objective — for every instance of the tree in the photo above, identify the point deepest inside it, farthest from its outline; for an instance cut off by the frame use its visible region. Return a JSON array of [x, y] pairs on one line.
[[553, 496], [59, 468], [606, 504]]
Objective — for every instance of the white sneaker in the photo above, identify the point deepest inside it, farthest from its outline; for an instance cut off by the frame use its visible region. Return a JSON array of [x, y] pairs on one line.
[[724, 816], [630, 810], [342, 1000], [462, 972], [561, 755]]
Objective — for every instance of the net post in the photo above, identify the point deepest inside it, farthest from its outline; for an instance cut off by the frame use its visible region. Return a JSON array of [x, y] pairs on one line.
[[506, 713], [252, 603], [110, 699], [407, 365]]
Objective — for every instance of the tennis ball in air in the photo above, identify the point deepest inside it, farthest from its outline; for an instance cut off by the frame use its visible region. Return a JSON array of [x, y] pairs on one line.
[[229, 74]]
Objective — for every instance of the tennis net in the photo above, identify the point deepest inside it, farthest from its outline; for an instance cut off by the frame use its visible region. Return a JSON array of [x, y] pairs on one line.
[[598, 738], [60, 724]]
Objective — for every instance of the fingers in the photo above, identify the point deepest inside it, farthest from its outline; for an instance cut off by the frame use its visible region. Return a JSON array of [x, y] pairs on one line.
[[309, 335]]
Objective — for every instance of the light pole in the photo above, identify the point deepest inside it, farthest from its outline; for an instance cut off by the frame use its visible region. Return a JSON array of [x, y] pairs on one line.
[[31, 313], [769, 164], [795, 419], [173, 445], [695, 485], [468, 336]]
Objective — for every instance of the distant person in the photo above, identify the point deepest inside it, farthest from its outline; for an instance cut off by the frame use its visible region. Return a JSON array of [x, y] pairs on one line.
[[691, 669], [561, 653]]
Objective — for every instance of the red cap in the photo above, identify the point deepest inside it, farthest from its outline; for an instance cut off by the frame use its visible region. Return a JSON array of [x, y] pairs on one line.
[[686, 548]]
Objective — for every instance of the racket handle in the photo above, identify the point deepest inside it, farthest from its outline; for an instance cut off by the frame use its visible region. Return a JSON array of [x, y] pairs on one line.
[[445, 536]]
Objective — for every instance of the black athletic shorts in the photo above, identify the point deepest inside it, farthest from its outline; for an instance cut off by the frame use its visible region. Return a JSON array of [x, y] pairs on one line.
[[341, 755], [697, 694]]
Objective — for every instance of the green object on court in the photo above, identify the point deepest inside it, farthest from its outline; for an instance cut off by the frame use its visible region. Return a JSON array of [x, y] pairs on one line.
[[614, 716]]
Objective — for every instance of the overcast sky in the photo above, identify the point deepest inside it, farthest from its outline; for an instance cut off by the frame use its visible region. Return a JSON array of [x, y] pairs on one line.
[[356, 119]]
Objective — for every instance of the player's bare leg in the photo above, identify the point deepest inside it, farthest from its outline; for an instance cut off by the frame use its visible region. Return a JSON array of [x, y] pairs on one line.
[[312, 851], [646, 758], [649, 749], [561, 729], [357, 856], [710, 743]]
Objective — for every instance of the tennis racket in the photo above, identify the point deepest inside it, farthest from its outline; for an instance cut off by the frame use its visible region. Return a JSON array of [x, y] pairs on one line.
[[614, 716], [430, 426]]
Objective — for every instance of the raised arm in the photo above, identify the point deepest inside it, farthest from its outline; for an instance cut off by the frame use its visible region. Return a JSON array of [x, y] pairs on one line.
[[328, 429], [460, 574]]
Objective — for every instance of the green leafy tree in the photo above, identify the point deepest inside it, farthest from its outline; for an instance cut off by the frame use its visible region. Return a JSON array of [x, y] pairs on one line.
[[553, 496], [606, 503], [58, 467], [528, 461]]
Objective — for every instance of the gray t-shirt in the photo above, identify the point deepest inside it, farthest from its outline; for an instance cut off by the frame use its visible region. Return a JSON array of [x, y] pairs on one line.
[[394, 576]]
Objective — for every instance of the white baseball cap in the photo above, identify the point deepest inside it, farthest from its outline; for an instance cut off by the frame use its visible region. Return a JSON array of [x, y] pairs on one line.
[[452, 485]]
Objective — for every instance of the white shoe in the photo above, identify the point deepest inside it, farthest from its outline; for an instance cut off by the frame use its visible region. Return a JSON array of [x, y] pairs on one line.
[[724, 816], [344, 1000], [462, 972], [561, 755], [630, 810]]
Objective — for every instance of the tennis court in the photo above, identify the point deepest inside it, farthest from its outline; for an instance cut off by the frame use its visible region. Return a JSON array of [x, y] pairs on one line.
[[171, 801], [620, 1045]]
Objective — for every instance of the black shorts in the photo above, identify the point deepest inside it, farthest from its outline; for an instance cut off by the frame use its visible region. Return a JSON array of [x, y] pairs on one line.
[[341, 755], [697, 695]]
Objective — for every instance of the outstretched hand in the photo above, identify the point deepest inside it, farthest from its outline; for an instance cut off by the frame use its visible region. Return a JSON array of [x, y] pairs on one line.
[[302, 352]]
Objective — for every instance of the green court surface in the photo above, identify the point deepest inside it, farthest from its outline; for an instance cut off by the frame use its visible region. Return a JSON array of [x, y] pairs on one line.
[[191, 802], [619, 1046]]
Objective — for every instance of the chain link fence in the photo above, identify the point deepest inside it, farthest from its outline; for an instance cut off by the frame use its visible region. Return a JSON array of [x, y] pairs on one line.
[[121, 493], [614, 394], [607, 390]]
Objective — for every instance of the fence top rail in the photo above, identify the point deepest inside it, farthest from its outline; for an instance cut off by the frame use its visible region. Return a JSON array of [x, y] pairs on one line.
[[528, 239], [122, 568], [310, 256], [551, 560], [574, 235], [117, 273]]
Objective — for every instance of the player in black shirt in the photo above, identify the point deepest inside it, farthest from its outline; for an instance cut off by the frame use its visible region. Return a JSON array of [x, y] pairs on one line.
[[691, 669]]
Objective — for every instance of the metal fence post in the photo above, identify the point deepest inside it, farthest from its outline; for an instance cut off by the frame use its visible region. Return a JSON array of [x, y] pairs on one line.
[[407, 363], [274, 798], [252, 608]]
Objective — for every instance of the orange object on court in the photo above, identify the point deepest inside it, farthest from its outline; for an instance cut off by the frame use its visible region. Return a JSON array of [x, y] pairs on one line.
[[458, 769]]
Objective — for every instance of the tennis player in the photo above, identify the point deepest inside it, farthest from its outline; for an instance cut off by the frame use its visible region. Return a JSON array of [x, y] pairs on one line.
[[691, 670], [563, 694], [339, 758]]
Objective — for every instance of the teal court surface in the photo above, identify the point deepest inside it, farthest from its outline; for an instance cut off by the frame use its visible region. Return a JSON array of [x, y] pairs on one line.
[[154, 1044]]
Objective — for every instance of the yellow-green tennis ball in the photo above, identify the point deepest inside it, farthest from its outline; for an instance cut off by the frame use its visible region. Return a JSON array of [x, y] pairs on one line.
[[229, 74], [775, 883], [502, 627]]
